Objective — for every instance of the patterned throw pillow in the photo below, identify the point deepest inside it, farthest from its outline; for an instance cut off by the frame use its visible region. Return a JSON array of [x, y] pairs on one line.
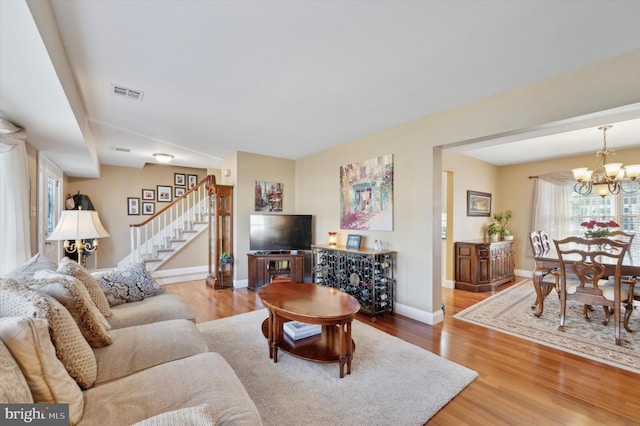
[[73, 295], [71, 347], [28, 341], [127, 284], [69, 267], [13, 386], [31, 266]]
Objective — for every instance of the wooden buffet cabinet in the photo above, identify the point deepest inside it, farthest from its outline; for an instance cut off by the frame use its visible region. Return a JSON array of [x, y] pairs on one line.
[[267, 267], [483, 265]]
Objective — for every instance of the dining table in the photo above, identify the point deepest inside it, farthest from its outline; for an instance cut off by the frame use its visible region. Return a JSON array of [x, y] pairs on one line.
[[548, 262]]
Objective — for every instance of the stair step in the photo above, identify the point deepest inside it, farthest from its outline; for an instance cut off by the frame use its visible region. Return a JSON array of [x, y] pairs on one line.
[[199, 222], [189, 231], [166, 249], [182, 240], [151, 259]]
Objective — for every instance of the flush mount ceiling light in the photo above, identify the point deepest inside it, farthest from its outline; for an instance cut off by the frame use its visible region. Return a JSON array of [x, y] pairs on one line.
[[163, 158], [606, 178]]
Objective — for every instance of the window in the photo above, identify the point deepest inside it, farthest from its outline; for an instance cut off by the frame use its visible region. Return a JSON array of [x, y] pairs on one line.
[[563, 210], [622, 208]]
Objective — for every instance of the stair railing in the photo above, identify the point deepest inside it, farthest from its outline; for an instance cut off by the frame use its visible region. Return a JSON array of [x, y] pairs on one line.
[[170, 225]]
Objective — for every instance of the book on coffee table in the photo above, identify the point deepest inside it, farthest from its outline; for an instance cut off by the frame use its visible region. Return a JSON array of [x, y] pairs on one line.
[[299, 330]]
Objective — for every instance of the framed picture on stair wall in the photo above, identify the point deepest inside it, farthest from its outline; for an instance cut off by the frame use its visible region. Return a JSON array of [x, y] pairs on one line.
[[149, 194], [148, 208], [164, 194], [133, 206], [179, 179], [179, 192], [192, 180]]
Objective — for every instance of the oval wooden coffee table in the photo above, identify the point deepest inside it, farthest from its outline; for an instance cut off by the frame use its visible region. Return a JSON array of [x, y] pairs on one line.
[[313, 304]]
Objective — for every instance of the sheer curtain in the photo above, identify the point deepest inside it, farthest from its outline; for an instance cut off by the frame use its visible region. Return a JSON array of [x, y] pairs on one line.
[[15, 245], [551, 207]]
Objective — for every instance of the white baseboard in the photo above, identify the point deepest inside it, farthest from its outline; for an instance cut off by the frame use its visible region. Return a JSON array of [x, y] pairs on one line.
[[430, 318], [447, 283], [524, 273], [194, 273], [172, 276]]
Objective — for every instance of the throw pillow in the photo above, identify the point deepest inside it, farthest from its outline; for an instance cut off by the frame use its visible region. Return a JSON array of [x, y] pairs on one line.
[[36, 263], [71, 347], [69, 267], [13, 386], [130, 283], [73, 295], [201, 415], [28, 341]]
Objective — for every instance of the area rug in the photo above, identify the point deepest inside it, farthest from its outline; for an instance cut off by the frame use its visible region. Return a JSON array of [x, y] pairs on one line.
[[392, 382], [510, 312]]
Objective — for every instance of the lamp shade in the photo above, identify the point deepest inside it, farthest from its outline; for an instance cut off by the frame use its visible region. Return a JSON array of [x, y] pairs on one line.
[[78, 225]]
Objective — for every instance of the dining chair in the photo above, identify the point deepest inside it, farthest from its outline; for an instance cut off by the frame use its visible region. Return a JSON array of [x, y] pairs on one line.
[[550, 276], [626, 237], [626, 279], [545, 240], [588, 259]]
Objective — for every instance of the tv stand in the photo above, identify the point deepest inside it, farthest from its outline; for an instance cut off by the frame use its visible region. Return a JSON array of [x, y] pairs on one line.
[[266, 267]]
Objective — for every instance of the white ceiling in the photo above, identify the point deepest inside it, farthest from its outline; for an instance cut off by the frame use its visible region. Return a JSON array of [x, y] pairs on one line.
[[283, 78]]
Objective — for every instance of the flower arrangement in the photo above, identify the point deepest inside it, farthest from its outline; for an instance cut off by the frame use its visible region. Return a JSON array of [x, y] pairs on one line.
[[595, 229]]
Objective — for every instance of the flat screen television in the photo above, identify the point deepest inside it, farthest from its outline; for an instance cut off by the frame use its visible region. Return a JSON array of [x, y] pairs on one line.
[[279, 232]]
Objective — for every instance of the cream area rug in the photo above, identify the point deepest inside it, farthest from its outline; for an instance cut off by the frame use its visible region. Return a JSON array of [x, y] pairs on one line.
[[510, 312], [392, 382]]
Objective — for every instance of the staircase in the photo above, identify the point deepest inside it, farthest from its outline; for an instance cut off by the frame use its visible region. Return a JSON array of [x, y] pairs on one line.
[[163, 235]]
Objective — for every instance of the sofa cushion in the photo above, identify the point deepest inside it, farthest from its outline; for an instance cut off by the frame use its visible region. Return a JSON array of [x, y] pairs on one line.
[[165, 306], [130, 283], [143, 346], [13, 386], [31, 266], [204, 378], [202, 415], [71, 348], [29, 342], [69, 267], [73, 295]]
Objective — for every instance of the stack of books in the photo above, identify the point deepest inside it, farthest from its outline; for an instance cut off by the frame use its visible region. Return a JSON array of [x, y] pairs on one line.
[[299, 330]]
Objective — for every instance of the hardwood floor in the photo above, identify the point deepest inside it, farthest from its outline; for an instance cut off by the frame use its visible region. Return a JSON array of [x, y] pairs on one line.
[[520, 382]]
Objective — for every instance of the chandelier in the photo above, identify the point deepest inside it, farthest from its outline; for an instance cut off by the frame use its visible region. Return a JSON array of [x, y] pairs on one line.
[[607, 178]]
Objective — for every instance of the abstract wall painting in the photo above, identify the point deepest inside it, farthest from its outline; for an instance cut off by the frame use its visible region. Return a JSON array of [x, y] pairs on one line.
[[366, 194], [268, 196]]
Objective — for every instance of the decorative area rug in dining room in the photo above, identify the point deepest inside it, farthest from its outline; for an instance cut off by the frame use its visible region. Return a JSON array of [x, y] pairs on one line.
[[510, 312], [392, 382]]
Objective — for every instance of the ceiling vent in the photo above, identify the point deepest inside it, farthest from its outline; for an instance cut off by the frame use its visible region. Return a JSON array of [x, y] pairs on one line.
[[118, 149], [136, 95]]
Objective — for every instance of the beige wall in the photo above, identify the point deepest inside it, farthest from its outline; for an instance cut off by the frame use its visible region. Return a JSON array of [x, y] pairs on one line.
[[109, 197], [516, 191], [247, 169], [417, 166], [312, 183]]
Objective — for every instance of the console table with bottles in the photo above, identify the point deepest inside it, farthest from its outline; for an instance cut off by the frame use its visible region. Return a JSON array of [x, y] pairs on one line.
[[365, 274]]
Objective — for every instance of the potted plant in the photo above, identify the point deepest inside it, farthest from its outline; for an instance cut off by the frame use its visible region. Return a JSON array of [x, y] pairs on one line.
[[225, 258], [493, 230], [503, 218]]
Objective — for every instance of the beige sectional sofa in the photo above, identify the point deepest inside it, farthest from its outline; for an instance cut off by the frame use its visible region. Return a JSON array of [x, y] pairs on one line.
[[152, 366]]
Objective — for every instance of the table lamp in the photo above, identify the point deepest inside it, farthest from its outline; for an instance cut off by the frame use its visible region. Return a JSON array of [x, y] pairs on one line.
[[79, 225]]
